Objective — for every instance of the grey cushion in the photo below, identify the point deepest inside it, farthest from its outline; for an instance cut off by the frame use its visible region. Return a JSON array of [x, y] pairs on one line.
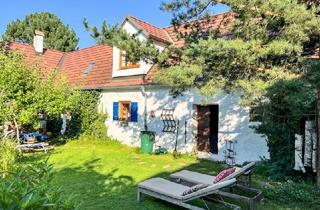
[[174, 190], [194, 189], [164, 187], [211, 189], [193, 177]]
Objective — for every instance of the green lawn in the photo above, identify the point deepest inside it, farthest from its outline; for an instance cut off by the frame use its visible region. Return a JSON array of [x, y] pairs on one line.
[[104, 175]]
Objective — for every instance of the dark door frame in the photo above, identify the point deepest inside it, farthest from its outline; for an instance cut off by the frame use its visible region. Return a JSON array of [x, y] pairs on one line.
[[207, 132]]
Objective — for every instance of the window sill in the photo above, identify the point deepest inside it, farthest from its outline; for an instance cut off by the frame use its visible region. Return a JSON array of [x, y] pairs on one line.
[[129, 67], [124, 123]]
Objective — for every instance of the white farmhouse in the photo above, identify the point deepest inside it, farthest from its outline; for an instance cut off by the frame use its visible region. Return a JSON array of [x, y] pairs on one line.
[[219, 129]]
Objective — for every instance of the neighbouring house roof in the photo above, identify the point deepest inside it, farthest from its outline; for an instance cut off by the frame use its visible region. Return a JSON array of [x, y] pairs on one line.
[[91, 68], [218, 22], [170, 34], [49, 60], [151, 30]]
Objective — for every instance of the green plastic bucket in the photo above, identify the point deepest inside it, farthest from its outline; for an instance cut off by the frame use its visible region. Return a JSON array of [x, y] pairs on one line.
[[147, 139]]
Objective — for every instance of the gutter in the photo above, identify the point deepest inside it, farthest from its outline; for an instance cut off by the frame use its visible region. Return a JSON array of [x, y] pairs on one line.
[[145, 112]]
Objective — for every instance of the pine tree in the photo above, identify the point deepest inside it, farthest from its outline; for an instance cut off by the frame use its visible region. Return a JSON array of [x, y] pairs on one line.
[[58, 36]]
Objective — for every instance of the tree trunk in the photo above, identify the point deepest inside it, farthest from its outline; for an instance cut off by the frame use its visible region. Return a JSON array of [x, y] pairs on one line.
[[318, 131], [318, 140], [17, 128]]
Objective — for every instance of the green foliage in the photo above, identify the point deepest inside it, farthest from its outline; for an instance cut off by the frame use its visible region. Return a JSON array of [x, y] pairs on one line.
[[58, 36], [183, 79], [17, 85], [24, 94], [264, 57], [218, 62], [286, 104], [313, 73], [31, 187], [87, 119], [294, 192], [268, 36], [9, 153]]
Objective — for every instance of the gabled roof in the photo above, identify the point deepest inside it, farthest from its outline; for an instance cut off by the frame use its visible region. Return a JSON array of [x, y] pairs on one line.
[[97, 60], [151, 30], [74, 64], [170, 34]]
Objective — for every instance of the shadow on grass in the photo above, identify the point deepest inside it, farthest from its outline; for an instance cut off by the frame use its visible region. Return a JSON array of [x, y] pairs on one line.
[[110, 190], [95, 190], [105, 176]]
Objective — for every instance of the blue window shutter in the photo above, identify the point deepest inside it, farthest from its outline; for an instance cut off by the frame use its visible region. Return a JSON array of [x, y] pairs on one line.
[[134, 112], [115, 111]]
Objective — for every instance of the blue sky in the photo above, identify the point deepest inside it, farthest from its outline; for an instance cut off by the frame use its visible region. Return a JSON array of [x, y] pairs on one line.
[[72, 12]]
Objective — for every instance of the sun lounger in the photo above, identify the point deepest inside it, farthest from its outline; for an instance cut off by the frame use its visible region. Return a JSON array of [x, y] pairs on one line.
[[37, 147], [172, 192], [191, 178], [199, 178]]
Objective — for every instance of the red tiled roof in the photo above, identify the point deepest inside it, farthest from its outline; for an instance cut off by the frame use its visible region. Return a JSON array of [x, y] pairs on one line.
[[48, 61], [73, 64], [218, 22], [151, 30], [170, 35], [76, 62]]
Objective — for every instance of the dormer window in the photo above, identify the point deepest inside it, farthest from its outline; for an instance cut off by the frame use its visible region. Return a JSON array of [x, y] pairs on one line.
[[125, 63]]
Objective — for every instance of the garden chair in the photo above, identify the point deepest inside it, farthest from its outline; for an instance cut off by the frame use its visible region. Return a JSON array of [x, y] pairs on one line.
[[190, 178], [173, 192]]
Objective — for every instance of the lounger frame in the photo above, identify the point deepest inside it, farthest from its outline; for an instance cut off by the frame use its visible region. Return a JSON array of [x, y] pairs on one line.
[[243, 185], [183, 202], [250, 201]]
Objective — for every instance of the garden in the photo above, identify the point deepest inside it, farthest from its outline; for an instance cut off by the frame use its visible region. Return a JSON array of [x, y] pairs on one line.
[[268, 56], [88, 173]]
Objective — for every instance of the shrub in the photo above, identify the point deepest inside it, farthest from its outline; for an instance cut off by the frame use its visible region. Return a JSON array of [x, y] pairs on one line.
[[9, 153], [25, 93], [31, 187], [303, 193], [86, 118], [282, 112]]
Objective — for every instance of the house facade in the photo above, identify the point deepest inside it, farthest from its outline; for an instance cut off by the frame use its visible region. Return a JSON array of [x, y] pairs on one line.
[[219, 129]]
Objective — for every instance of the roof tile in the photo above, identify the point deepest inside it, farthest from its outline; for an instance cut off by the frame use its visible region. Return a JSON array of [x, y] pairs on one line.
[[153, 31], [73, 64]]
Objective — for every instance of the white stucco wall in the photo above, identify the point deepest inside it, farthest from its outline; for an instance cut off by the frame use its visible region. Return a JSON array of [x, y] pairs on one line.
[[233, 121]]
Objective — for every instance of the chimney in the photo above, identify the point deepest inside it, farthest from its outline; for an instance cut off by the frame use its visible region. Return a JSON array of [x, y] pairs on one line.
[[38, 41]]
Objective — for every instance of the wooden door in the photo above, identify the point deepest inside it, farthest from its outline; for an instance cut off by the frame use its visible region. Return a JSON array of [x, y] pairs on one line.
[[203, 134]]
